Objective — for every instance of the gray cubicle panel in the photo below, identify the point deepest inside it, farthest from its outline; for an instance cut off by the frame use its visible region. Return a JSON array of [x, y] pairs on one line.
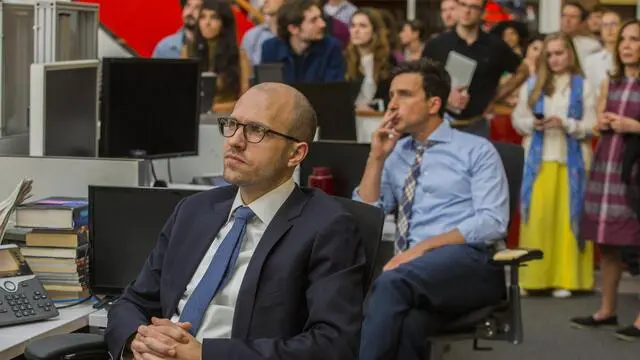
[[67, 176], [209, 160], [14, 145], [63, 117]]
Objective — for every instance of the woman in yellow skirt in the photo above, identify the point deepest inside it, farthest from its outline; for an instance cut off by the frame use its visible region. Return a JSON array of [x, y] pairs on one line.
[[555, 114]]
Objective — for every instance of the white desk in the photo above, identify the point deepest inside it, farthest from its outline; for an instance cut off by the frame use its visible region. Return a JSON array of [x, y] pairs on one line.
[[98, 321], [14, 339]]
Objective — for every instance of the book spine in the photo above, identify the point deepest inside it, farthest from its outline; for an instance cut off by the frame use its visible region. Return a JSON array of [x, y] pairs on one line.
[[80, 217]]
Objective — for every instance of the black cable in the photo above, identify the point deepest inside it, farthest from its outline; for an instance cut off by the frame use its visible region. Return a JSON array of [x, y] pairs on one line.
[[153, 171], [169, 171], [75, 303]]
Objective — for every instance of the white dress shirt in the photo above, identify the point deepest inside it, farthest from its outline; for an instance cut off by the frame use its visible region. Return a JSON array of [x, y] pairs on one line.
[[585, 46], [555, 142], [596, 68], [218, 318], [368, 87]]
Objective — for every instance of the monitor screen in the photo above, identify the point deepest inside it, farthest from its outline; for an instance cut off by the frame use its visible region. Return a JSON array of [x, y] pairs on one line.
[[345, 159], [333, 103], [268, 73], [71, 116], [150, 108], [124, 223]]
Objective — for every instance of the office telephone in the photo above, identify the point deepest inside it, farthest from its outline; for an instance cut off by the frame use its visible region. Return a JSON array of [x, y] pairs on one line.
[[22, 297]]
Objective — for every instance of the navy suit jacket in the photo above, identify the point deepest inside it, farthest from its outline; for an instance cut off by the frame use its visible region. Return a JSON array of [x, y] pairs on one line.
[[301, 297], [323, 61]]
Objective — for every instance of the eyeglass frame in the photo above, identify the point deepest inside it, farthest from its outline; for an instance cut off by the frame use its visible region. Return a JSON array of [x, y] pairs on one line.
[[265, 130]]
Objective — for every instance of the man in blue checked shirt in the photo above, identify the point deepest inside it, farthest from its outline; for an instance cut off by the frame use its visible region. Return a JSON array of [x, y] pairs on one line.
[[451, 195]]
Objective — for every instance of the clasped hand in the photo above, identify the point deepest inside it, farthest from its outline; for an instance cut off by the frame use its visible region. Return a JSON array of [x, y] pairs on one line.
[[617, 123], [163, 339], [547, 123], [459, 99]]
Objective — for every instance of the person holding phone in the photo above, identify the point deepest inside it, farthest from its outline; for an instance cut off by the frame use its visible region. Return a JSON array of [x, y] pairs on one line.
[[368, 59], [555, 113]]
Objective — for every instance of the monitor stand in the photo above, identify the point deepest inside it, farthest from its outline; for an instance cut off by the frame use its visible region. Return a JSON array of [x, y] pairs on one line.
[[106, 302], [148, 179]]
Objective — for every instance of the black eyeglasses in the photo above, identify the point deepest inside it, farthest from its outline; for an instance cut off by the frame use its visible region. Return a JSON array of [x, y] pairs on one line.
[[253, 133]]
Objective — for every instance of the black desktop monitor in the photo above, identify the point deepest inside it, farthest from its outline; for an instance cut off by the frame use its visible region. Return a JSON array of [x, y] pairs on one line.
[[345, 159], [208, 89], [268, 73], [334, 104], [150, 108], [124, 225]]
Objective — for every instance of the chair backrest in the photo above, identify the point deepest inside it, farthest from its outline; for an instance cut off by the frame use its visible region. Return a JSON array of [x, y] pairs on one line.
[[512, 156], [370, 220]]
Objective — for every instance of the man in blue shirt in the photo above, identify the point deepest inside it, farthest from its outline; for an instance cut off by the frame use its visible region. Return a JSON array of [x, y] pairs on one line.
[[170, 46], [307, 53], [452, 200], [257, 35]]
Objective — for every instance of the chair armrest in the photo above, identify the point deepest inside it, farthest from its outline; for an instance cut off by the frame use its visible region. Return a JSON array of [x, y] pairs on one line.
[[516, 256], [58, 346]]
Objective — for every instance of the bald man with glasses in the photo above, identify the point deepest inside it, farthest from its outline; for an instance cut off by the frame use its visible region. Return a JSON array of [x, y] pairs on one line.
[[261, 269]]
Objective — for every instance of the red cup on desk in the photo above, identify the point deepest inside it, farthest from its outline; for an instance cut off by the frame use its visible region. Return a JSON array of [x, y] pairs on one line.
[[321, 178]]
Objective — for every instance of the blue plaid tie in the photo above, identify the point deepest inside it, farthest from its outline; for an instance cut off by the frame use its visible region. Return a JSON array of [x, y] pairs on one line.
[[406, 203], [218, 273]]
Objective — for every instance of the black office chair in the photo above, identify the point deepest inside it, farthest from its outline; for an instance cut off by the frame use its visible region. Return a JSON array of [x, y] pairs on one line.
[[502, 321], [370, 220]]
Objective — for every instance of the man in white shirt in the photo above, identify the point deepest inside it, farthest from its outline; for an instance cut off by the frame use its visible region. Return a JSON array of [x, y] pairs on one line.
[[598, 65], [258, 270], [572, 23]]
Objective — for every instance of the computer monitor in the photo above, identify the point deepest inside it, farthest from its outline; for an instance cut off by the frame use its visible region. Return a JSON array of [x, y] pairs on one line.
[[150, 108], [124, 225], [208, 89], [268, 73], [63, 106], [334, 105], [345, 159]]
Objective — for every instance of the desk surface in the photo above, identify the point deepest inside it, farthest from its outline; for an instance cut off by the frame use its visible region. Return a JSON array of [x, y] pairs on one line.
[[14, 339]]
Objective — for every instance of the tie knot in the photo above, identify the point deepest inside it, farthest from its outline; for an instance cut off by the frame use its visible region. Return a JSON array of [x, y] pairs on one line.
[[421, 146], [244, 213]]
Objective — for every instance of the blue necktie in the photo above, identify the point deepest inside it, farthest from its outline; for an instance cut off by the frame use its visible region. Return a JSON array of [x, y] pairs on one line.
[[218, 273]]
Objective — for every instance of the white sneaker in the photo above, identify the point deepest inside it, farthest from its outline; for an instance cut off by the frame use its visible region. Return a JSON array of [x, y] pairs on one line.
[[523, 292], [561, 293]]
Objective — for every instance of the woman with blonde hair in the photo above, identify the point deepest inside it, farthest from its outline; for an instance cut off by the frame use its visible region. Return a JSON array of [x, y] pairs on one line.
[[216, 46], [612, 209], [368, 58], [555, 114]]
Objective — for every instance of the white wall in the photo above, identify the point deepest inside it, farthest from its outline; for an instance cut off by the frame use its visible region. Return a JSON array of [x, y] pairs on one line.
[[549, 16], [108, 47]]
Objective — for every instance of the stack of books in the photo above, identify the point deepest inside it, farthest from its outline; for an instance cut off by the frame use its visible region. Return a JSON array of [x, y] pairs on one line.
[[57, 247], [8, 205]]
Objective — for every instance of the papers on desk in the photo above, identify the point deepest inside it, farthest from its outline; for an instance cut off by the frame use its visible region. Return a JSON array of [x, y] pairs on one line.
[[461, 69], [21, 193]]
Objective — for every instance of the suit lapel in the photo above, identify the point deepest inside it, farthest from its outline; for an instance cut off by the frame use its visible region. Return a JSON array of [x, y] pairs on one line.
[[205, 227], [276, 230]]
